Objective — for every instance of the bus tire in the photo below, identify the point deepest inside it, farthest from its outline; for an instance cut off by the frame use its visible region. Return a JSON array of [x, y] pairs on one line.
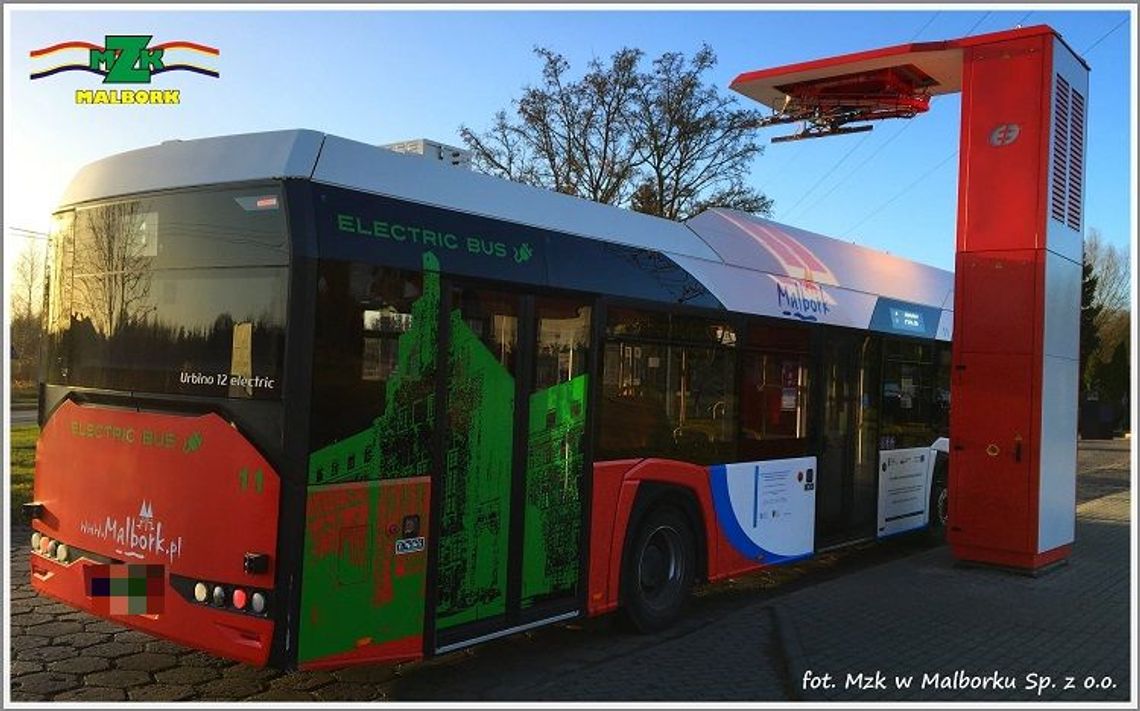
[[659, 569], [939, 501]]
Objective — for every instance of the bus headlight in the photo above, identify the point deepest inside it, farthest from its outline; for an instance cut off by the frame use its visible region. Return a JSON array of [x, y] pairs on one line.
[[201, 592], [36, 537], [61, 553], [257, 602]]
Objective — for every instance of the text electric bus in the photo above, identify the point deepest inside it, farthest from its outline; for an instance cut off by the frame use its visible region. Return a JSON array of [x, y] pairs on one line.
[[311, 402]]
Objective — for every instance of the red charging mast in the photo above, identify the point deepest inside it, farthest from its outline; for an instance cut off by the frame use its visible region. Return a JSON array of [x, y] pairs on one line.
[[1013, 418]]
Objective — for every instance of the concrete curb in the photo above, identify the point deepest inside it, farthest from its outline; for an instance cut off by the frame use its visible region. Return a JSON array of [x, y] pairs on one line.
[[795, 662]]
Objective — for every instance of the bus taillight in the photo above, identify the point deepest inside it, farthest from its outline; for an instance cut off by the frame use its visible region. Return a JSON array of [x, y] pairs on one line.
[[222, 596]]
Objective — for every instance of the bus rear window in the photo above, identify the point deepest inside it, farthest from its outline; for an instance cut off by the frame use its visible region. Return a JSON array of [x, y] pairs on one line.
[[176, 294]]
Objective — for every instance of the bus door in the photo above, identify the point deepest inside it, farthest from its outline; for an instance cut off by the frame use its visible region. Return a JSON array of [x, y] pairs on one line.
[[841, 512], [509, 492]]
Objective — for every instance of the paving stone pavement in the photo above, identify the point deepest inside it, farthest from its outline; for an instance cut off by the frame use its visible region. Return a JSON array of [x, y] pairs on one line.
[[902, 608], [928, 618]]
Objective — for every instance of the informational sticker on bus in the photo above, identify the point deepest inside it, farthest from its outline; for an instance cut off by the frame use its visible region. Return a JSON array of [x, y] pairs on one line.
[[410, 545], [767, 508], [790, 374], [904, 486]]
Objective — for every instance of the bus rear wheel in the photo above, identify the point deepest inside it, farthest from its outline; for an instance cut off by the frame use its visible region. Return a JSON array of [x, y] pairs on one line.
[[659, 569], [939, 502]]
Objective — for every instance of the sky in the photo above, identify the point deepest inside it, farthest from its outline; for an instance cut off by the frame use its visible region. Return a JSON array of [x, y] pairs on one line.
[[381, 76]]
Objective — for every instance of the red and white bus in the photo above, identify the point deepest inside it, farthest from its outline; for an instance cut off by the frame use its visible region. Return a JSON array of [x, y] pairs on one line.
[[310, 402]]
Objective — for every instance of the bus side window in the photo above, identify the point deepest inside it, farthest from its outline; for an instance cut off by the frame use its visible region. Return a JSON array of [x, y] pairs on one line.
[[774, 389], [668, 388], [563, 341], [633, 420], [703, 404], [942, 391], [909, 388], [362, 313]]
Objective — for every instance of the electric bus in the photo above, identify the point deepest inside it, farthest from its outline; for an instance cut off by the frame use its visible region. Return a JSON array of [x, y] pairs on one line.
[[310, 402]]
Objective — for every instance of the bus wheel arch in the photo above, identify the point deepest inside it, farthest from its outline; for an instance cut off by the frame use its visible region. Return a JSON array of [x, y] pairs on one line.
[[664, 553]]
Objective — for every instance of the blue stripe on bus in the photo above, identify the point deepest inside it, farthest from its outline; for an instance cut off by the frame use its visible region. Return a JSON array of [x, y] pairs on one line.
[[722, 503]]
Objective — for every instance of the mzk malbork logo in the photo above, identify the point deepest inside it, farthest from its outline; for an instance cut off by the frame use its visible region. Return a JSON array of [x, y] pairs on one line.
[[125, 60]]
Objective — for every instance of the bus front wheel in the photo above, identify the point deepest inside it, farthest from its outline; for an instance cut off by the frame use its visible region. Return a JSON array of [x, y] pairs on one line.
[[659, 569]]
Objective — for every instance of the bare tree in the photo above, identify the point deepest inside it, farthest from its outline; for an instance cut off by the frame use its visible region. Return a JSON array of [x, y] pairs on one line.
[[26, 298], [695, 146], [1106, 364], [572, 136], [26, 295], [1110, 265], [1109, 269], [660, 141]]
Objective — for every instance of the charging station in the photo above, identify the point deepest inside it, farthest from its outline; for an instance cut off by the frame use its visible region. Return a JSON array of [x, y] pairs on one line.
[[1017, 279]]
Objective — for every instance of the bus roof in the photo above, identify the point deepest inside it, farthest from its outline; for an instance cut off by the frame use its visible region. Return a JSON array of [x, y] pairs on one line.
[[750, 264]]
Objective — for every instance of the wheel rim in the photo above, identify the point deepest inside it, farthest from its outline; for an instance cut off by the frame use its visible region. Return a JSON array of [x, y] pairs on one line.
[[661, 566], [942, 507]]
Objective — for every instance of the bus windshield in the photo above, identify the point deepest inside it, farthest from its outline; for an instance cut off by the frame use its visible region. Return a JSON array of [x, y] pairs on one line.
[[179, 293]]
